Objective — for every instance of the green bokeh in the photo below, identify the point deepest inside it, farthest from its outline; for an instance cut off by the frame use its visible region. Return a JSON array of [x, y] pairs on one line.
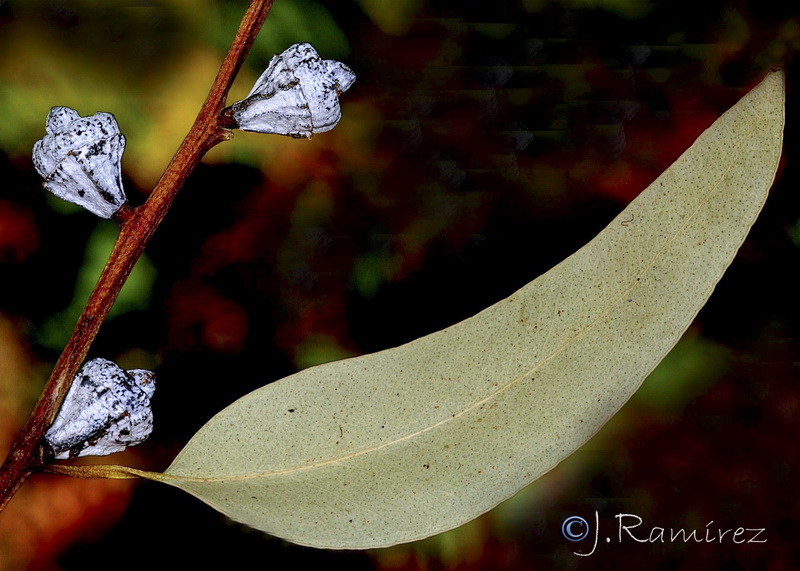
[[134, 296]]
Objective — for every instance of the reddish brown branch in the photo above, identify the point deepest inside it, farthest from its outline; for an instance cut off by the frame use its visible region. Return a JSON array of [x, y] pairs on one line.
[[137, 226]]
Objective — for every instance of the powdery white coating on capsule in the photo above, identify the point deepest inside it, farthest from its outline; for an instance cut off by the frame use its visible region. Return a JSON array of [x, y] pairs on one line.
[[80, 160], [106, 410], [297, 95]]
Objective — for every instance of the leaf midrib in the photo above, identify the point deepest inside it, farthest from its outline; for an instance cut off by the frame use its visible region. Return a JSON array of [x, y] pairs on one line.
[[569, 342]]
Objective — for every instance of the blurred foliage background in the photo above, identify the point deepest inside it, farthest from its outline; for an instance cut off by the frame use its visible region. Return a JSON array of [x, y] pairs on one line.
[[482, 143]]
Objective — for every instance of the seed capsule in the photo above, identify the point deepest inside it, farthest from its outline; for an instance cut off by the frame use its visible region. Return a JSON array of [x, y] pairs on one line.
[[106, 410], [297, 95], [80, 160]]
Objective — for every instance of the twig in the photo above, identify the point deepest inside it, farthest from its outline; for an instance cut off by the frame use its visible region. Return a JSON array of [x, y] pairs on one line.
[[136, 227]]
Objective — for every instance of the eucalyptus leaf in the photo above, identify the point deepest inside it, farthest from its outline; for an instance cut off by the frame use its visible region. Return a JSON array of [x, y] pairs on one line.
[[415, 440]]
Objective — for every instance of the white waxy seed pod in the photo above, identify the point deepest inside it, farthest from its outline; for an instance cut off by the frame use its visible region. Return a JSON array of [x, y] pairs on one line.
[[106, 410], [297, 95], [80, 160]]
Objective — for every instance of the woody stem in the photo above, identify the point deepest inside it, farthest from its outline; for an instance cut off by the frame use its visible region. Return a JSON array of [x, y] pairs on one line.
[[137, 225]]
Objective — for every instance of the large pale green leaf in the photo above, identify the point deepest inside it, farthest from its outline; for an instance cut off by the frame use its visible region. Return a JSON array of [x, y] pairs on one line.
[[415, 440]]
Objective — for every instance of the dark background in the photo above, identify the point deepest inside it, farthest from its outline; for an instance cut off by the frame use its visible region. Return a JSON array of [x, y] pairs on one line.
[[482, 143]]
